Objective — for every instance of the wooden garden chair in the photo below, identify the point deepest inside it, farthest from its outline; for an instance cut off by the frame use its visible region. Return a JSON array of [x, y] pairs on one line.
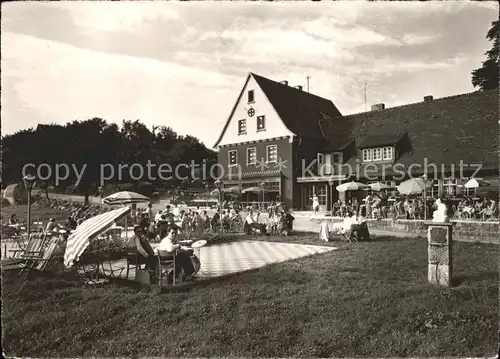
[[167, 264], [37, 260]]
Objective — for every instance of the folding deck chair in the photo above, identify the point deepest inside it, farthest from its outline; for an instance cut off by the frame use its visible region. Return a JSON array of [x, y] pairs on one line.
[[34, 247], [37, 260]]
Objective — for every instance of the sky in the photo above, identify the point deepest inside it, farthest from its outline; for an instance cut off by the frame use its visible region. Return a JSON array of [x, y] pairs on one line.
[[183, 64]]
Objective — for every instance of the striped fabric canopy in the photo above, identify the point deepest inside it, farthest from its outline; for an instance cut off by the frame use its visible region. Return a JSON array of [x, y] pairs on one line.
[[79, 240]]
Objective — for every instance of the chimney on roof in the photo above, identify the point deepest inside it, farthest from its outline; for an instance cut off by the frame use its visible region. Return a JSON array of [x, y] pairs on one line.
[[298, 87], [428, 98], [378, 107], [284, 83]]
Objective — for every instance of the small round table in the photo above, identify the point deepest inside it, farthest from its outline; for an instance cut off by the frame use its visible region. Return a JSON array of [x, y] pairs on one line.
[[196, 246]]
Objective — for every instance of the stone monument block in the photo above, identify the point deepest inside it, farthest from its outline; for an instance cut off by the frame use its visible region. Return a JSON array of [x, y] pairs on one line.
[[439, 236]]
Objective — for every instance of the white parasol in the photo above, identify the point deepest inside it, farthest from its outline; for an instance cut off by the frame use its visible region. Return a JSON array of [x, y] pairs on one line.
[[351, 186], [476, 183], [413, 186]]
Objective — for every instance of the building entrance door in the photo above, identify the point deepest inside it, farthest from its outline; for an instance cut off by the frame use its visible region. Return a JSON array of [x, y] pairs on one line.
[[309, 190]]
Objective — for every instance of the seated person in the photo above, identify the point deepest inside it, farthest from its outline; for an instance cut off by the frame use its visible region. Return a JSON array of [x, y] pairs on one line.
[[144, 221], [182, 257], [252, 221], [145, 252], [225, 220], [13, 221], [197, 222], [205, 219], [70, 224], [162, 226], [215, 221], [51, 226]]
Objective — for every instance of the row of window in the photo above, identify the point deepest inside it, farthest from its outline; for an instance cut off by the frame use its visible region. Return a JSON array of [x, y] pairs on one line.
[[271, 155], [378, 154], [242, 125]]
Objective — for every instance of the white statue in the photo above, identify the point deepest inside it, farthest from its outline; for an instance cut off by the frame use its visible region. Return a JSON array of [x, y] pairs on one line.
[[439, 214]]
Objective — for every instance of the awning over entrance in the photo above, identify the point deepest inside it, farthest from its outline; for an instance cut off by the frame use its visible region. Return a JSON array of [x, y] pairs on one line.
[[314, 179], [247, 175]]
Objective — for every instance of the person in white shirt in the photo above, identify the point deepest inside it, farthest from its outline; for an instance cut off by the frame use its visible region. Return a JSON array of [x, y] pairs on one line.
[[182, 257], [252, 221]]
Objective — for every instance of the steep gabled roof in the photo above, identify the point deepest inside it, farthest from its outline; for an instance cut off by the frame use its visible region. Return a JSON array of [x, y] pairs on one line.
[[232, 112], [445, 131], [300, 111]]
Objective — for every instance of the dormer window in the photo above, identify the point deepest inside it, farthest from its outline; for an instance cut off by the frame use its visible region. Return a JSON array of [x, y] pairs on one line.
[[242, 127], [378, 154], [387, 153], [251, 96], [261, 123], [367, 155]]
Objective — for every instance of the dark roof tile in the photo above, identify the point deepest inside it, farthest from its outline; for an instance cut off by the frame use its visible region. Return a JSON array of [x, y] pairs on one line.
[[300, 110], [445, 131]]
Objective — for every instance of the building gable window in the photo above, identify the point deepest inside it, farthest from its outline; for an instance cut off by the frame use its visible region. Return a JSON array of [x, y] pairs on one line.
[[251, 98], [242, 127], [251, 156], [377, 154], [272, 154], [233, 158], [261, 123]]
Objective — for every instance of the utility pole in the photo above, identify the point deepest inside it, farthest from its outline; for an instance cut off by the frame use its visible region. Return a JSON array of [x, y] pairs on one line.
[[365, 95], [308, 77]]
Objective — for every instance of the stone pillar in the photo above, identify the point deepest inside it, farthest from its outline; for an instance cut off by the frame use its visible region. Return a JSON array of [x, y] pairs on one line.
[[440, 264]]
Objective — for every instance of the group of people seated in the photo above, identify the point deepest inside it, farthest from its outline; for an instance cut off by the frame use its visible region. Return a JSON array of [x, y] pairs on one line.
[[481, 209], [280, 221], [184, 258], [52, 227], [189, 221]]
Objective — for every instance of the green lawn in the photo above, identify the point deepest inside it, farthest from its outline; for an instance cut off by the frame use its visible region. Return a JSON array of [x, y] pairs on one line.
[[365, 299], [38, 213]]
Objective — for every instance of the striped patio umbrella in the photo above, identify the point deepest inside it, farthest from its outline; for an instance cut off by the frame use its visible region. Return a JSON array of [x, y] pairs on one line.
[[91, 228], [476, 183], [125, 197]]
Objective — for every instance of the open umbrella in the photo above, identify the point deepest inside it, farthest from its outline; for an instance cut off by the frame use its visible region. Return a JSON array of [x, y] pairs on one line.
[[476, 183], [252, 189], [351, 186], [79, 240], [125, 197], [215, 192], [232, 190], [379, 186], [413, 186]]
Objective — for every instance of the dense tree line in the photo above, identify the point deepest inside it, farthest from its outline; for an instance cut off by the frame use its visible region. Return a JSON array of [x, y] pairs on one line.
[[486, 77], [93, 143]]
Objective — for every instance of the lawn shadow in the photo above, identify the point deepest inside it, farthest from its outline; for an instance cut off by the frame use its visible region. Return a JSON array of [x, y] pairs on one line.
[[387, 238], [482, 276]]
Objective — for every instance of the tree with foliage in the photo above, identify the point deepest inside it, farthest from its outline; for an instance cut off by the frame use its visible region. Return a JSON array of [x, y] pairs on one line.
[[93, 143], [486, 77]]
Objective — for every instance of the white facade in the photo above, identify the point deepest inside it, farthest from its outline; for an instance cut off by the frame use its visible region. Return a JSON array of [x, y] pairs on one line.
[[274, 126]]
